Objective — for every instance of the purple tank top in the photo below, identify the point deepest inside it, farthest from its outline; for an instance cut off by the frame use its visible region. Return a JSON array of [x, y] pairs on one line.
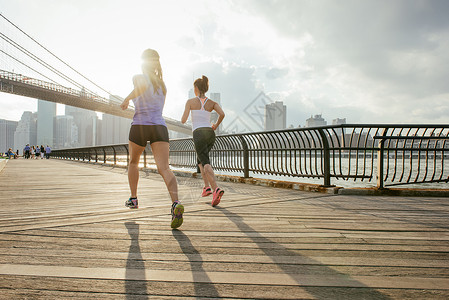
[[149, 106]]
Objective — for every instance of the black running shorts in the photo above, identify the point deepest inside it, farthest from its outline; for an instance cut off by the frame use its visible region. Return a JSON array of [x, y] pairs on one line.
[[204, 139], [141, 134]]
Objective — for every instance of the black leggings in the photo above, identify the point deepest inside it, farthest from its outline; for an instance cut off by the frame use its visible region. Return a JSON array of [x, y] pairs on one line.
[[204, 139]]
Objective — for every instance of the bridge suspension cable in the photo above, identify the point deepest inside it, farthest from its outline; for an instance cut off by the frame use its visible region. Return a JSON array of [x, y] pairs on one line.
[[46, 64], [29, 67], [40, 61]]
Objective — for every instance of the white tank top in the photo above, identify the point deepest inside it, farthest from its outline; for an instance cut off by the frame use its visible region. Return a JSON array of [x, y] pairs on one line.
[[200, 117]]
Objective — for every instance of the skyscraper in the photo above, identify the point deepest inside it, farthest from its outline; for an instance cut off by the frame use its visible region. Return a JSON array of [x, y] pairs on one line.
[[26, 130], [66, 132], [46, 112], [275, 116], [115, 130], [7, 129], [86, 122]]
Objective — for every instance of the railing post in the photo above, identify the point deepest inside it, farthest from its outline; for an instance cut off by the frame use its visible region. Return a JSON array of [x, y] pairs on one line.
[[144, 158], [326, 159], [380, 161], [245, 157], [104, 156]]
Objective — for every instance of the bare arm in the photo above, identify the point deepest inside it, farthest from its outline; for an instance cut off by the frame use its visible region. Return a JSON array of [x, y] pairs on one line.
[[185, 115], [221, 115], [140, 86]]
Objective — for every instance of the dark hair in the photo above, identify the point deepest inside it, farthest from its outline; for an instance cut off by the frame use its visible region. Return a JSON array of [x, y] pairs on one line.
[[202, 84], [152, 67]]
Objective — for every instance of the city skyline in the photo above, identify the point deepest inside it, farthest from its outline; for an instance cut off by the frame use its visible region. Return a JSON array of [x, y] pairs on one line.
[[79, 127], [318, 60]]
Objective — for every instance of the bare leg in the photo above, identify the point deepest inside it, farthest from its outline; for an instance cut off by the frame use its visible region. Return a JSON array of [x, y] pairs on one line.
[[209, 172], [161, 155], [133, 169], [203, 174]]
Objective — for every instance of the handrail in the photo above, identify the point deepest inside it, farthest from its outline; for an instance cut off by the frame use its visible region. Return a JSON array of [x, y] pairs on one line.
[[403, 154]]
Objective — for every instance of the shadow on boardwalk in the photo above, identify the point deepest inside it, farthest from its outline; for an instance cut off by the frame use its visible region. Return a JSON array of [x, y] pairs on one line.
[[135, 263], [317, 292], [196, 264]]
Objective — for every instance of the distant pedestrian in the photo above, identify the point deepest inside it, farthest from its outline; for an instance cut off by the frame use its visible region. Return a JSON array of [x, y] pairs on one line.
[[26, 151], [47, 152], [200, 109], [42, 151], [38, 152], [149, 125], [33, 152]]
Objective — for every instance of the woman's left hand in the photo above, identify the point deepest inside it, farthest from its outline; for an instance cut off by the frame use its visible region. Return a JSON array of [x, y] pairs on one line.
[[124, 104]]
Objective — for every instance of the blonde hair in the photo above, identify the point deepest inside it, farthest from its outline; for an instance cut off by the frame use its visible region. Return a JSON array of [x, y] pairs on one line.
[[151, 66]]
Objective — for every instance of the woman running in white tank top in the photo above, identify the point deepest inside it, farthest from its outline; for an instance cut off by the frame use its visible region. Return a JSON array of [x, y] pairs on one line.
[[200, 108]]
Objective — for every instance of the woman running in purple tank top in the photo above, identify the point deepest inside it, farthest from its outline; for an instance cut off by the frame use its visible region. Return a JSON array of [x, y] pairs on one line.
[[149, 125]]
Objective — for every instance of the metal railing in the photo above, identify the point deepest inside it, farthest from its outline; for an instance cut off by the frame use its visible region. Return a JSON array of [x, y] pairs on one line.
[[387, 154]]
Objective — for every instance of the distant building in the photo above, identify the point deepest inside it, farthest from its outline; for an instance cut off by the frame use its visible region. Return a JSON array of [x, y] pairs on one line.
[[99, 131], [114, 130], [338, 121], [86, 122], [26, 131], [339, 131], [275, 116], [315, 121], [46, 113], [7, 129], [66, 132]]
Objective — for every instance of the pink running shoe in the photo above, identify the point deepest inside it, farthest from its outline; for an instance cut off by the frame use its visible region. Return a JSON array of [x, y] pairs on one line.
[[206, 191], [217, 196]]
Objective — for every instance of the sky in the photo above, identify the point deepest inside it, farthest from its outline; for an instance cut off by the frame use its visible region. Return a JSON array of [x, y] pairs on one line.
[[371, 62]]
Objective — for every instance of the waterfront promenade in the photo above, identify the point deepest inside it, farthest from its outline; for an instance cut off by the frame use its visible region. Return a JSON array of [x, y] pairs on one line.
[[65, 233]]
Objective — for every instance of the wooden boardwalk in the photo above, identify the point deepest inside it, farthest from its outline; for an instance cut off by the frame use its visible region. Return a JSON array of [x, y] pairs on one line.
[[65, 233]]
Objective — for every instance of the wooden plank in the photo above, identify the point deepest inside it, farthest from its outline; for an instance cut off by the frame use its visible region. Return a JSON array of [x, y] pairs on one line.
[[72, 237]]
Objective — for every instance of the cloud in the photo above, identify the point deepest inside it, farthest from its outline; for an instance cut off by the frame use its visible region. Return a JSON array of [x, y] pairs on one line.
[[276, 73], [368, 61], [388, 55], [236, 83]]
